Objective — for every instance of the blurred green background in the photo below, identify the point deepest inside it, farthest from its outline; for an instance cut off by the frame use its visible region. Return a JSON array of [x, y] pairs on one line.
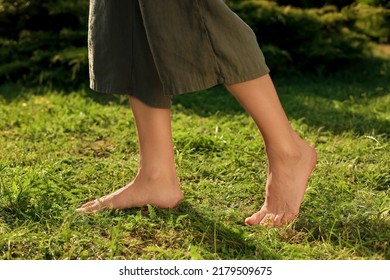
[[62, 144], [45, 42]]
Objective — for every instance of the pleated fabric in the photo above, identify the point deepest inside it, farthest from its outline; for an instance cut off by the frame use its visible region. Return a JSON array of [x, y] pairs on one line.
[[155, 49]]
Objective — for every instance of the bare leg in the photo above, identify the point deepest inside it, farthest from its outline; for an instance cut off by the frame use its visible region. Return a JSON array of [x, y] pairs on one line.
[[156, 182], [290, 159]]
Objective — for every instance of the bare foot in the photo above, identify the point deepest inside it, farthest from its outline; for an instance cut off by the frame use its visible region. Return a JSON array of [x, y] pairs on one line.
[[142, 191], [287, 180]]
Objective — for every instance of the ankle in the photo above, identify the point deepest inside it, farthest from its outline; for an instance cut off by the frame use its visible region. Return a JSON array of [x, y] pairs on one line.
[[284, 153], [158, 174]]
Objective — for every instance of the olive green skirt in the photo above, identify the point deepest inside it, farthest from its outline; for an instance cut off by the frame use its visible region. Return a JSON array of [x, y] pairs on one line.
[[159, 49]]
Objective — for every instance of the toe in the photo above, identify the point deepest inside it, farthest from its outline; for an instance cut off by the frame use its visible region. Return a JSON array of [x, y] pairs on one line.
[[255, 218], [288, 218], [278, 220], [88, 207], [268, 220]]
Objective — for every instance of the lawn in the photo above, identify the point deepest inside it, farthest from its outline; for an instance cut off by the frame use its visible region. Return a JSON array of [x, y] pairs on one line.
[[61, 148]]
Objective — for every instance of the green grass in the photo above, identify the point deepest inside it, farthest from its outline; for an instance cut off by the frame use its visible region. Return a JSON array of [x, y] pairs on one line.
[[59, 149]]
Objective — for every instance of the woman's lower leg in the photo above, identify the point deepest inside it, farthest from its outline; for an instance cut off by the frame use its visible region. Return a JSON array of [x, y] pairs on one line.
[[156, 182], [290, 159]]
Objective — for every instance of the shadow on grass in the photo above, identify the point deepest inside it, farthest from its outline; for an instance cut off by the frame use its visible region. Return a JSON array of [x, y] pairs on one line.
[[172, 234], [211, 238], [217, 239]]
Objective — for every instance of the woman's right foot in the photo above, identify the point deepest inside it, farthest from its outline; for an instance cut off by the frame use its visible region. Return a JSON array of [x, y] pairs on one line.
[[286, 185], [144, 190]]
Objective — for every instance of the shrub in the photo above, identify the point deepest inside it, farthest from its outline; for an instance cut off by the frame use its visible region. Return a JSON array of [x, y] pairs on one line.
[[43, 41], [315, 3], [374, 22], [317, 39], [338, 3]]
